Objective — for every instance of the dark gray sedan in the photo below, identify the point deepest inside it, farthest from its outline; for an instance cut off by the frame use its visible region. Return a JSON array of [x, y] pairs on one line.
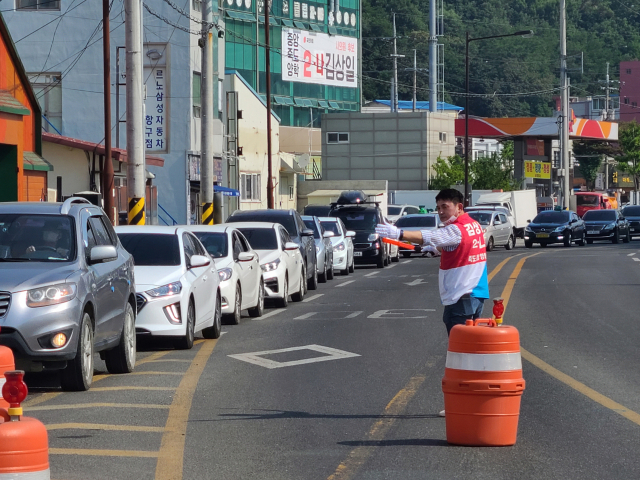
[[606, 225]]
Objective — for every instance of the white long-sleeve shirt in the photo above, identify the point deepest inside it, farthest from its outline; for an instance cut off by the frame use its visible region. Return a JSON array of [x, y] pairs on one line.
[[448, 238]]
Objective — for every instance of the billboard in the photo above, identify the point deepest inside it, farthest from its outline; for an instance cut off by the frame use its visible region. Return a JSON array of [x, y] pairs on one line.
[[310, 57], [534, 169]]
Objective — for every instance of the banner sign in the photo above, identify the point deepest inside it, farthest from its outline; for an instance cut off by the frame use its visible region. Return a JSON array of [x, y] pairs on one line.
[[533, 169], [310, 57], [535, 147]]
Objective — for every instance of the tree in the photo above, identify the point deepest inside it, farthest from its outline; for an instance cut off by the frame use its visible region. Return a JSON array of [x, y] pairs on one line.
[[629, 161], [495, 172], [589, 157], [448, 172]]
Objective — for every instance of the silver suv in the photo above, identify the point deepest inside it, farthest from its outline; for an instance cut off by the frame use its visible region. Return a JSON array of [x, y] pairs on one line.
[[66, 290]]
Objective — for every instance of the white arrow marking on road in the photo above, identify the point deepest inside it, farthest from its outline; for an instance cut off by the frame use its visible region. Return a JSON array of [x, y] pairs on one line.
[[631, 254], [328, 353], [636, 259], [318, 295], [305, 316], [417, 281], [345, 283], [372, 274]]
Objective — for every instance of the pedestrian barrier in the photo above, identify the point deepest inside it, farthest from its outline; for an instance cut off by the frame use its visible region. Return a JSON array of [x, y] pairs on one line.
[[24, 444], [483, 384], [7, 364]]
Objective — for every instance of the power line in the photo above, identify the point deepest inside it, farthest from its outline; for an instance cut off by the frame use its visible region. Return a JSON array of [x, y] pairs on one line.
[[48, 23]]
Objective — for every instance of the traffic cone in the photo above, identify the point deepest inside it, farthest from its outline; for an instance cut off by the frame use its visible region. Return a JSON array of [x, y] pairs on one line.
[[24, 443]]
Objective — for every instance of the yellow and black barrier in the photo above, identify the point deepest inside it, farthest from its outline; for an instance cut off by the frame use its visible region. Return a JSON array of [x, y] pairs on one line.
[[136, 211], [207, 214]]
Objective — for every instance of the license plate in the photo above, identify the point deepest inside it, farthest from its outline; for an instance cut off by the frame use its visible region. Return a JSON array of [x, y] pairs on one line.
[[357, 254], [593, 232], [542, 235]]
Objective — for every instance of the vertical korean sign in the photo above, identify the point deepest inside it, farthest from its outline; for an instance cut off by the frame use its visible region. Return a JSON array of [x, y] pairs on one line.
[[156, 79], [310, 57]]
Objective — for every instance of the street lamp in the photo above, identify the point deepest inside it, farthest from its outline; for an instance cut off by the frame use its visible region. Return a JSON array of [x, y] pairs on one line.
[[524, 34]]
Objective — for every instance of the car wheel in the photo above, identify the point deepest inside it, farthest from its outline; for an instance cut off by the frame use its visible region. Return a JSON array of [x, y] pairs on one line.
[[186, 342], [322, 278], [78, 375], [397, 257], [490, 244], [380, 263], [352, 268], [313, 281], [215, 330], [330, 273], [258, 310], [567, 239], [581, 242], [235, 317], [122, 359], [627, 239], [299, 296], [510, 243], [616, 237], [528, 244], [589, 241], [284, 301]]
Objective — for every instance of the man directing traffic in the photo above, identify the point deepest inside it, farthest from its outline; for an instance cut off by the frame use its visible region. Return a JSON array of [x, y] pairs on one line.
[[463, 263]]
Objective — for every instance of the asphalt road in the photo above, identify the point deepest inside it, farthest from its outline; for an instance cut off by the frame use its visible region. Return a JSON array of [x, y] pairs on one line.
[[234, 409]]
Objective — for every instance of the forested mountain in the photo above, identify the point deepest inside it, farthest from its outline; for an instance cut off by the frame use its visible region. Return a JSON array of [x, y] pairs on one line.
[[603, 30]]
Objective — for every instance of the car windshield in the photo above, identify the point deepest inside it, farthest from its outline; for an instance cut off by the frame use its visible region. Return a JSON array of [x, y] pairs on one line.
[[287, 221], [358, 220], [312, 225], [215, 243], [36, 238], [425, 221], [152, 249], [394, 210], [597, 215], [631, 211], [482, 218], [588, 200], [261, 238], [552, 217], [331, 227]]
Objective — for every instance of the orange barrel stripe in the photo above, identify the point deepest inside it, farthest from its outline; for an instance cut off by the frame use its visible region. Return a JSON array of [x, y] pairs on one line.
[[483, 384], [24, 449], [7, 364]]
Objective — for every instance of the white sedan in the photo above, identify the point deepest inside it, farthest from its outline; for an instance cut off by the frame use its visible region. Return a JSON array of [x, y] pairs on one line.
[[342, 242], [177, 286], [280, 260], [241, 283]]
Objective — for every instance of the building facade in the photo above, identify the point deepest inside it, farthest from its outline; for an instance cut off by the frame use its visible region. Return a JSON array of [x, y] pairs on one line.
[[630, 91]]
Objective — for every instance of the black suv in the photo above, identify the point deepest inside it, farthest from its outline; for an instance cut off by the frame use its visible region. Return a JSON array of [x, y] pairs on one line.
[[362, 217], [299, 233]]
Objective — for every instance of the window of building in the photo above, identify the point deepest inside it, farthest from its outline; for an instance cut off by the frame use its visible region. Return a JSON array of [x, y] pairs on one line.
[[634, 104], [38, 4], [250, 186], [335, 137], [196, 5], [197, 102], [626, 101], [598, 103], [628, 71], [47, 88], [443, 137]]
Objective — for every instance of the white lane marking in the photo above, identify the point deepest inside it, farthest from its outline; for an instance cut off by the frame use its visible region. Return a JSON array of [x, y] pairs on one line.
[[222, 333], [636, 259], [271, 314], [392, 266], [353, 315], [328, 354], [372, 273], [397, 313], [631, 254], [305, 315], [407, 261], [417, 281], [331, 315], [345, 283], [312, 298]]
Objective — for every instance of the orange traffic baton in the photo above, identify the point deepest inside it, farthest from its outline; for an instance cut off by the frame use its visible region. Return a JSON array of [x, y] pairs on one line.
[[483, 384], [7, 364], [408, 246], [24, 444]]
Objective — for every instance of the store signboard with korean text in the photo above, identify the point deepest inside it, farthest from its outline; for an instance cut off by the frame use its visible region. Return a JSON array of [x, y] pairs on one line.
[[533, 169], [156, 102], [310, 57]]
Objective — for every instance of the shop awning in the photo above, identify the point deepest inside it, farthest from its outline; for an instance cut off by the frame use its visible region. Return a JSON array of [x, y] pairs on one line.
[[33, 161], [9, 104], [226, 191]]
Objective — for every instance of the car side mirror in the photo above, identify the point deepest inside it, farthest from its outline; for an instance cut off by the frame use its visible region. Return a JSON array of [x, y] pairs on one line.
[[291, 246], [199, 261], [350, 234], [528, 221], [102, 253], [327, 235], [307, 232], [245, 256], [404, 213]]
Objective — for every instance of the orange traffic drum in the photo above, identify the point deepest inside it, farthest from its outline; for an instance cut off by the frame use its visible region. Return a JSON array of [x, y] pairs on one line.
[[7, 364], [483, 384], [24, 449]]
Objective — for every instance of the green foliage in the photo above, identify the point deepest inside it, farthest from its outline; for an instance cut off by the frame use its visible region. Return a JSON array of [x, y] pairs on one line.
[[448, 172], [589, 155], [605, 30], [629, 161]]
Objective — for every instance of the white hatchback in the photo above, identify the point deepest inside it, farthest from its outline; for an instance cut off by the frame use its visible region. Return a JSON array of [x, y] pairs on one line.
[[280, 260], [342, 242], [177, 286], [241, 283]]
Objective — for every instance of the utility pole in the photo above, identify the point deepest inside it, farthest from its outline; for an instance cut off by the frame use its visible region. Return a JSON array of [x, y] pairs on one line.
[[267, 64], [207, 94], [394, 99], [107, 187], [606, 98], [415, 70], [565, 104], [135, 115], [433, 59]]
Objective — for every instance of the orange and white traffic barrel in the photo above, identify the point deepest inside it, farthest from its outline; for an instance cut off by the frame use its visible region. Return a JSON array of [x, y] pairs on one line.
[[24, 444], [483, 384], [7, 364]]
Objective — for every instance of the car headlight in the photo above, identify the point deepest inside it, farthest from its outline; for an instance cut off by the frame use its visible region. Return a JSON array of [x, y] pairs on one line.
[[339, 247], [271, 266], [165, 290], [528, 229], [225, 274], [610, 226], [51, 295], [560, 229], [373, 237]]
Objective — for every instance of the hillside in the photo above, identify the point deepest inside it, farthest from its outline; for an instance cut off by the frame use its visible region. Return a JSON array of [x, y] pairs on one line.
[[604, 30]]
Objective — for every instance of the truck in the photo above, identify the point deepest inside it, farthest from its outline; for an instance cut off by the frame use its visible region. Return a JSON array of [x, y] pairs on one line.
[[521, 205]]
